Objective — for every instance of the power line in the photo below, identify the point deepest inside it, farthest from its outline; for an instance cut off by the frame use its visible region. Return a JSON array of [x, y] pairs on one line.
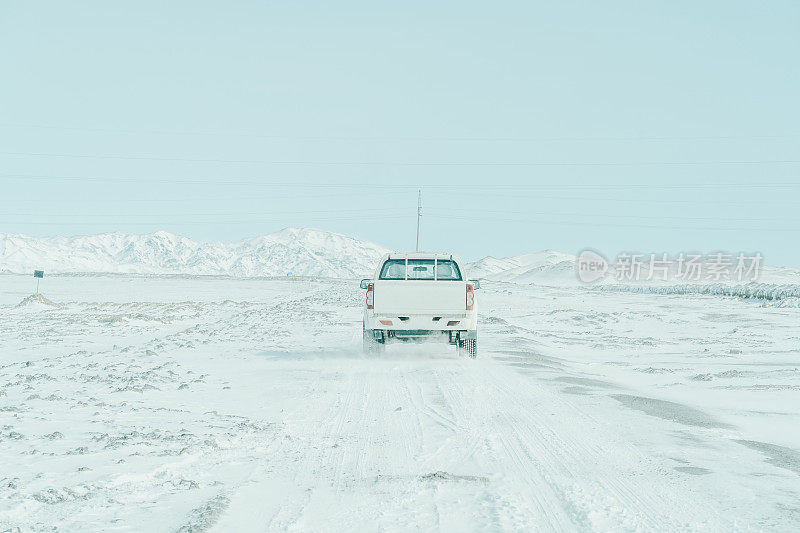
[[393, 138], [157, 222], [442, 213], [520, 195], [229, 213], [602, 215], [440, 217], [409, 163], [606, 224], [300, 183]]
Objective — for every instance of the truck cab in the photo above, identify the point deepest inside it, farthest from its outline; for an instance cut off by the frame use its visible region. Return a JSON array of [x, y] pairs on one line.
[[420, 296]]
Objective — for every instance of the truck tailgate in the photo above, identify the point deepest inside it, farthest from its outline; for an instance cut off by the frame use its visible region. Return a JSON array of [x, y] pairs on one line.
[[420, 297]]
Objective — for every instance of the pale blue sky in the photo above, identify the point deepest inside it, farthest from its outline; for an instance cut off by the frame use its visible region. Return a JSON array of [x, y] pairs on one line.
[[649, 126]]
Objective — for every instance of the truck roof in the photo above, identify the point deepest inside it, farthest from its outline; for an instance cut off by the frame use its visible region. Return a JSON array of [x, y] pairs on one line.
[[422, 255]]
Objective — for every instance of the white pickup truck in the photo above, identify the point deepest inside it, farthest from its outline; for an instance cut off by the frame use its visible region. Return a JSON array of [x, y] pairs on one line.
[[420, 296]]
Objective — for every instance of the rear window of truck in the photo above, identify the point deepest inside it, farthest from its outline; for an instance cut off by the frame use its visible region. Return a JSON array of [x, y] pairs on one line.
[[420, 269], [394, 269], [447, 270]]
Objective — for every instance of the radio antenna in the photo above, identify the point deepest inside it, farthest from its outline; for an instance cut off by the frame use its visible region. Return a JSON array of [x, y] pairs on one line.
[[419, 213]]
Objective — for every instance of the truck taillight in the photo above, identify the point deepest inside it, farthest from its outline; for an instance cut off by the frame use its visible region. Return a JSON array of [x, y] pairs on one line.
[[371, 296], [470, 298]]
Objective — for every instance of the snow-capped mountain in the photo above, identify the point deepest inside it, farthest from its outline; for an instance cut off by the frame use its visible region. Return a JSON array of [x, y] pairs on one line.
[[289, 252], [292, 251], [547, 266], [551, 267]]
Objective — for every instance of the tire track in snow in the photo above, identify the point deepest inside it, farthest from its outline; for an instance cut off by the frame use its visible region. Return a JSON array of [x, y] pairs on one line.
[[580, 460]]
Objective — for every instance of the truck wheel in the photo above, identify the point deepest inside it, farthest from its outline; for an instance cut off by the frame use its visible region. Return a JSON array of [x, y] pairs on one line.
[[468, 347], [372, 346]]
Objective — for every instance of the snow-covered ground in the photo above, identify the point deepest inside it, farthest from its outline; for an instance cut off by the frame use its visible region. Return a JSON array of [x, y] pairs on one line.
[[170, 403]]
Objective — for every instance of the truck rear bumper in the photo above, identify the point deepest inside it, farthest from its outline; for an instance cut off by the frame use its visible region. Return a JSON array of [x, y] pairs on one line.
[[450, 336], [421, 323]]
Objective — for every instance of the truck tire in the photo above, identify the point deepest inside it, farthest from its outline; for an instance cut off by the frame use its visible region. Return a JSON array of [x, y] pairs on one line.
[[372, 346], [468, 347]]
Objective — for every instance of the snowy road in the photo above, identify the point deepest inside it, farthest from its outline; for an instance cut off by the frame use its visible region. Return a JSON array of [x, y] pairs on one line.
[[163, 404]]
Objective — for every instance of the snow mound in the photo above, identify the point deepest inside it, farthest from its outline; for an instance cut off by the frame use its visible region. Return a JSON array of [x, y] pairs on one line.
[[786, 302], [36, 300], [289, 252], [759, 291]]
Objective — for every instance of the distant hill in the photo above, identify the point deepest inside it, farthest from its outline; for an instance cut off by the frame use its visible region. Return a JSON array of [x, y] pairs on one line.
[[292, 251], [289, 252], [547, 266]]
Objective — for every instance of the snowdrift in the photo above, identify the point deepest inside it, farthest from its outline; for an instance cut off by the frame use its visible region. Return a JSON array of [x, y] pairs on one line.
[[760, 291]]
